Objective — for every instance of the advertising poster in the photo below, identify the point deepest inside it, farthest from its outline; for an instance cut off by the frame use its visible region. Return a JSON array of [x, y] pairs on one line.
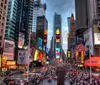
[[23, 57], [39, 43], [57, 52], [9, 49], [36, 55], [21, 40], [89, 40], [96, 28]]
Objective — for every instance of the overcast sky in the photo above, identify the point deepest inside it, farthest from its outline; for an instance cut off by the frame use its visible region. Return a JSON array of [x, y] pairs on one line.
[[63, 7]]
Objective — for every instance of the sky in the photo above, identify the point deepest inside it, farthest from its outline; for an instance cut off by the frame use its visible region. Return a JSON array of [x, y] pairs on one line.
[[63, 7]]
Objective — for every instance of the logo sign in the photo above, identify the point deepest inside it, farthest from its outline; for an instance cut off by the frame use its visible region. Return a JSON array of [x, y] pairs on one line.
[[98, 24], [97, 38], [23, 57], [9, 49]]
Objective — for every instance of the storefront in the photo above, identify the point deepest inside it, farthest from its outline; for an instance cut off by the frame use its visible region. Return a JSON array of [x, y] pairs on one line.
[[94, 62], [79, 53]]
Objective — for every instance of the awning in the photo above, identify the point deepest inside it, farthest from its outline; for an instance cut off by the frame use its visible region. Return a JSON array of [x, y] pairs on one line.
[[80, 48], [94, 61]]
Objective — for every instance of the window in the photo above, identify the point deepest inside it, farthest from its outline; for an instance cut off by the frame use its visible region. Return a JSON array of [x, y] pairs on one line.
[[0, 16], [0, 37], [2, 24], [0, 43], [4, 7], [1, 31], [1, 4], [5, 1], [3, 18]]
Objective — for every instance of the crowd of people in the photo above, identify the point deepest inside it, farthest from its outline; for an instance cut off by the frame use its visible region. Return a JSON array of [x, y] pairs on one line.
[[81, 77]]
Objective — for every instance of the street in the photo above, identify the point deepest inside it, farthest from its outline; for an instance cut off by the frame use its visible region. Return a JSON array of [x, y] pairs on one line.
[[45, 82]]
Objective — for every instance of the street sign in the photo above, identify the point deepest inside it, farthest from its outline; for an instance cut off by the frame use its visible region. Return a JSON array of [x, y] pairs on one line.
[[23, 57]]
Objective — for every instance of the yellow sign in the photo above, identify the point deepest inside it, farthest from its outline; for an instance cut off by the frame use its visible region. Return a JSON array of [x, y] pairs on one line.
[[82, 57], [4, 58], [57, 31], [4, 69], [36, 55], [10, 63], [76, 54], [0, 61]]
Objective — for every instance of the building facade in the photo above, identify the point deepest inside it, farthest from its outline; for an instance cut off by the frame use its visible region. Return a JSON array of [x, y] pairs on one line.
[[38, 10], [42, 30], [11, 20], [24, 20], [3, 13], [23, 24], [71, 37], [57, 30]]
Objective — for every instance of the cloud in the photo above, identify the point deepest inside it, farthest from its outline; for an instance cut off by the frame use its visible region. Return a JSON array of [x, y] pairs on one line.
[[59, 6]]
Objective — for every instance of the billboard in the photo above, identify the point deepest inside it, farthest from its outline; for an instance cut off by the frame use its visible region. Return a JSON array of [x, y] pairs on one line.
[[96, 28], [89, 40], [39, 43], [21, 40], [57, 52], [97, 38], [23, 57], [9, 49], [36, 55]]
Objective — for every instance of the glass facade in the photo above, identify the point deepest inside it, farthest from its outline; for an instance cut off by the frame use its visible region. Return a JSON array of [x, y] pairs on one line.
[[11, 19]]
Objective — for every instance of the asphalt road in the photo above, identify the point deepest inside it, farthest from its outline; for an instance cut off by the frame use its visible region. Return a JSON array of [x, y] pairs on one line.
[[45, 82]]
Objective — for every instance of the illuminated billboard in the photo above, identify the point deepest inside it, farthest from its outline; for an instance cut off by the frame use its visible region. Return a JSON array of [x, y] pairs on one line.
[[57, 36], [57, 52], [45, 32], [57, 31], [21, 40], [9, 49], [39, 43], [36, 55], [57, 40]]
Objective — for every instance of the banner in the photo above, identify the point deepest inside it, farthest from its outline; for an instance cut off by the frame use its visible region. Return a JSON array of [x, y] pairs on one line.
[[36, 55], [21, 40], [23, 57], [9, 49]]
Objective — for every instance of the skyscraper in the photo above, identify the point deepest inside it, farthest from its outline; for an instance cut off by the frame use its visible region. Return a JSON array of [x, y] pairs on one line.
[[24, 20], [38, 10], [42, 29], [23, 24], [57, 35], [11, 19], [3, 13]]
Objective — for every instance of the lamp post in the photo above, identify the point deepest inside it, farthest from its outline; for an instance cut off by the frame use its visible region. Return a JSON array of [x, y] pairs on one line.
[[90, 65], [28, 56]]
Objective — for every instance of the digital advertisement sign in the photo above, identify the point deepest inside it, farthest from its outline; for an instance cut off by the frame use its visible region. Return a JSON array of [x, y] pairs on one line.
[[96, 28], [39, 43], [9, 49], [21, 40], [57, 52]]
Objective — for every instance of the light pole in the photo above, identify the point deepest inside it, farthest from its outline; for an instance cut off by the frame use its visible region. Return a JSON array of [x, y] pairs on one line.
[[90, 65], [28, 55]]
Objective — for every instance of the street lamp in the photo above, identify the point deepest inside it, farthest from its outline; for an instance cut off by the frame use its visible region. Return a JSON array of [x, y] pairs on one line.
[[90, 65]]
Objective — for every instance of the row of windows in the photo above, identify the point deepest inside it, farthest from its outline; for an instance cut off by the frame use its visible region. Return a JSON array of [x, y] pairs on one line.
[[3, 6], [5, 1]]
